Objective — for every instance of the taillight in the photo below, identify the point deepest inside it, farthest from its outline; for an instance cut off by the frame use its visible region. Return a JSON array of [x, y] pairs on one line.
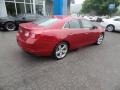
[[27, 34], [32, 35], [17, 34], [20, 31]]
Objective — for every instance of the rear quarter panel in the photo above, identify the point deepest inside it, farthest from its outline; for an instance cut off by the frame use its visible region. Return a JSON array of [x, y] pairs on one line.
[[54, 37]]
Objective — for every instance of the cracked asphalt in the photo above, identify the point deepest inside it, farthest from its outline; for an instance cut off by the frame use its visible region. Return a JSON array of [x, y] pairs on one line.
[[89, 68]]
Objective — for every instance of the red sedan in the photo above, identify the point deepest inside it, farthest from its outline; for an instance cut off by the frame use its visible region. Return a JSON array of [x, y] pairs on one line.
[[53, 36]]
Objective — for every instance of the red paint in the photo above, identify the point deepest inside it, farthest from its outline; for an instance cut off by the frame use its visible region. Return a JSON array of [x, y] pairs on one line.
[[46, 38]]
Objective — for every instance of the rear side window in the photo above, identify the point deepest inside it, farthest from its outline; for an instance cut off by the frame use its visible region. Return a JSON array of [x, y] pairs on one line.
[[45, 21], [86, 24], [67, 25], [74, 24]]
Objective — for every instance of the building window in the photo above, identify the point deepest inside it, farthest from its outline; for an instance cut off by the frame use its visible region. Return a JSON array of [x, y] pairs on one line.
[[20, 8], [15, 7], [28, 8], [19, 0], [10, 8], [9, 0], [39, 9], [27, 1], [31, 1]]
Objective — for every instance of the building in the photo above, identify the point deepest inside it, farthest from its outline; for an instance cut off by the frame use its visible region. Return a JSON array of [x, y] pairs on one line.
[[46, 7], [15, 7]]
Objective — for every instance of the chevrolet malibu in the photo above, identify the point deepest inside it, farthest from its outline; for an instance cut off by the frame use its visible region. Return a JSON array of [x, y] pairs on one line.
[[56, 36]]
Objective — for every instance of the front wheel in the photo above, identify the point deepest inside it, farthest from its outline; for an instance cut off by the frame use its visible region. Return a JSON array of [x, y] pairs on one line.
[[60, 51], [100, 39], [10, 26]]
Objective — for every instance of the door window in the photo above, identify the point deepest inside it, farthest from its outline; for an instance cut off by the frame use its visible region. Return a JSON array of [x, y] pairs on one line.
[[74, 24], [86, 24], [67, 25], [117, 19]]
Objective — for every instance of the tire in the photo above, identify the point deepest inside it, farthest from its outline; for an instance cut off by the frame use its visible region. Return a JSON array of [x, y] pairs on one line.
[[110, 28], [10, 26], [60, 51], [100, 39]]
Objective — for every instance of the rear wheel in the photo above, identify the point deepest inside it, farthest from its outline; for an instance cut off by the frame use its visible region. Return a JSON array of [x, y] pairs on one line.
[[60, 51], [10, 26]]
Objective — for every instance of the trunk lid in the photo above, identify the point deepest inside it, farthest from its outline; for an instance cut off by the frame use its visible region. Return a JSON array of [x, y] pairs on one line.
[[26, 29]]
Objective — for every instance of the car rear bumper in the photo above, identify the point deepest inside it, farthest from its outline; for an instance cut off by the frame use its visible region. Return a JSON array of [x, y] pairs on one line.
[[34, 49]]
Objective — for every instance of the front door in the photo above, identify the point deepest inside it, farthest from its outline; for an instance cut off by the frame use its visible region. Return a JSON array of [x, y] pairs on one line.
[[92, 33], [76, 34]]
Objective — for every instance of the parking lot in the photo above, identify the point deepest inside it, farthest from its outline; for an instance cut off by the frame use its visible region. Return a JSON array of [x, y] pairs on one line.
[[89, 68]]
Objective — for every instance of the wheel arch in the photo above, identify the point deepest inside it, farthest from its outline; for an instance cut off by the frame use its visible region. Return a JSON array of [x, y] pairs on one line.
[[67, 42], [58, 44]]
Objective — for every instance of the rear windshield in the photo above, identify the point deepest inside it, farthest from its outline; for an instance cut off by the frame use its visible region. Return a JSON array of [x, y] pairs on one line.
[[45, 21]]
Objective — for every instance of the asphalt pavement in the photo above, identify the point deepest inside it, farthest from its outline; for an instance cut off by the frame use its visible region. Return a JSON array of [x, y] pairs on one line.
[[89, 68]]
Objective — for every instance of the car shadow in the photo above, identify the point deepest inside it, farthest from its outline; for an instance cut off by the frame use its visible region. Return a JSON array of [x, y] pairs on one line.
[[113, 32], [40, 59], [30, 57], [116, 31]]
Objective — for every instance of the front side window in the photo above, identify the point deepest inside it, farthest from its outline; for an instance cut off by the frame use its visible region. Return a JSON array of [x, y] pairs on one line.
[[86, 24], [74, 24], [117, 19]]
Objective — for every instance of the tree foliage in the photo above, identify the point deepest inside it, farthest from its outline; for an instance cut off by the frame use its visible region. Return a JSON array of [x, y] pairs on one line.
[[99, 6]]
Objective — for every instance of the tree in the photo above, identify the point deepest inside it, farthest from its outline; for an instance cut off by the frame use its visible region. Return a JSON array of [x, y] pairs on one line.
[[99, 6]]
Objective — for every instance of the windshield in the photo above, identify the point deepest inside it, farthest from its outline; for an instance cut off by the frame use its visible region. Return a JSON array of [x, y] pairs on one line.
[[45, 21]]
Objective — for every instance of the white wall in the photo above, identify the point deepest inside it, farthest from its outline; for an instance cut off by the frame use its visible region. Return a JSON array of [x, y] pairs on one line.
[[3, 11]]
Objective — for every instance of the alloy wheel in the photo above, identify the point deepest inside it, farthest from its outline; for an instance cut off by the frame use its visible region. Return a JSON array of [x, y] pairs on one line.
[[110, 28], [10, 26], [100, 39], [61, 50]]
